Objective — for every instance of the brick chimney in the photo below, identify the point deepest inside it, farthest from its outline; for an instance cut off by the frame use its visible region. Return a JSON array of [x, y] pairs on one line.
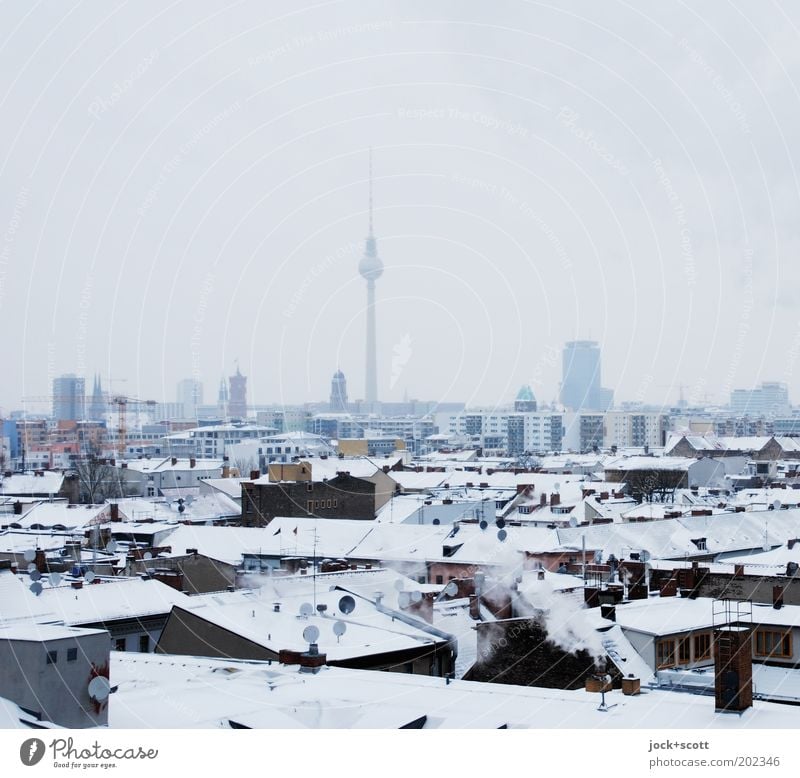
[[114, 508], [40, 561], [17, 508], [555, 499], [777, 597], [173, 461], [192, 461], [733, 669], [475, 607]]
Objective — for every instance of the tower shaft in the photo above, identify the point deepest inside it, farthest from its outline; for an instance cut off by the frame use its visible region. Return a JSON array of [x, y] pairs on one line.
[[371, 388]]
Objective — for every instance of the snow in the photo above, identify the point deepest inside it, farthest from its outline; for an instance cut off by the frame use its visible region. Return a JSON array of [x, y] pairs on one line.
[[178, 692]]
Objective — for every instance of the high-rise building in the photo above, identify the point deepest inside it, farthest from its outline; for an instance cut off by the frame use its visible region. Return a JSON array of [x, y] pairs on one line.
[[222, 398], [769, 400], [338, 403], [580, 382], [189, 396], [525, 402], [371, 268], [69, 398], [237, 404]]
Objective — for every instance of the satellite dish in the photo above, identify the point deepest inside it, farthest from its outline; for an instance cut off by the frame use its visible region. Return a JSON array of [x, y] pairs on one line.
[[644, 555], [55, 579], [306, 609], [347, 604], [436, 522], [556, 486], [451, 590], [36, 588], [339, 628], [776, 505], [502, 535], [31, 568], [404, 599], [573, 521], [416, 596], [181, 507], [99, 688], [29, 555], [90, 576], [35, 575], [111, 547], [500, 523], [399, 584], [483, 524], [147, 555], [310, 634]]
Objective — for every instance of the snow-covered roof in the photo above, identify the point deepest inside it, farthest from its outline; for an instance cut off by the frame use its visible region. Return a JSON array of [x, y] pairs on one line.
[[29, 483], [206, 693]]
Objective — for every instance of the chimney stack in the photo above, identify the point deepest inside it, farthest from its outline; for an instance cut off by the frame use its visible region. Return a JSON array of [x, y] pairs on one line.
[[733, 669], [777, 597], [555, 499], [192, 461]]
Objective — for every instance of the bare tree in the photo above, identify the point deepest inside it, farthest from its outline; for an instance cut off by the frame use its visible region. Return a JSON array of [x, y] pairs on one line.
[[98, 480]]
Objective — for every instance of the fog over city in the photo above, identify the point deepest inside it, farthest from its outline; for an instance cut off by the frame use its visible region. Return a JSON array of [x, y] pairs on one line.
[[186, 185]]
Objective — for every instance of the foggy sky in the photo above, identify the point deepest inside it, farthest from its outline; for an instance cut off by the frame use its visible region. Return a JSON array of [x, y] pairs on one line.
[[185, 184]]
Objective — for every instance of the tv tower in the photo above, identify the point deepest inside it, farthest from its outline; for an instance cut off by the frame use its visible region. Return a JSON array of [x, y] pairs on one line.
[[370, 267]]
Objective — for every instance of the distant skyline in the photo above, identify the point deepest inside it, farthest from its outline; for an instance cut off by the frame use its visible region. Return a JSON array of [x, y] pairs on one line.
[[180, 193]]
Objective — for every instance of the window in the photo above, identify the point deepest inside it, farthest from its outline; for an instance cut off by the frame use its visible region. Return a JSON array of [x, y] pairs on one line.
[[52, 657], [773, 642], [335, 503], [665, 653], [329, 504], [72, 654], [439, 579], [310, 506], [119, 644], [144, 643], [684, 648], [309, 487], [702, 646]]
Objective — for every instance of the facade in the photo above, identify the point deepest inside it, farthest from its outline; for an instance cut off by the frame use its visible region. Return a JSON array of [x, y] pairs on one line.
[[580, 377], [626, 429], [237, 403], [770, 399], [338, 399], [189, 397], [69, 398]]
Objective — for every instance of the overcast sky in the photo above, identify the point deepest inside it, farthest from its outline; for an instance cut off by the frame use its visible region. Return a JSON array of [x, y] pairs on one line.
[[185, 184]]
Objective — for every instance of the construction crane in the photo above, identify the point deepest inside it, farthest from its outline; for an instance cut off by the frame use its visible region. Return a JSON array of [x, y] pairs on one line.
[[122, 402]]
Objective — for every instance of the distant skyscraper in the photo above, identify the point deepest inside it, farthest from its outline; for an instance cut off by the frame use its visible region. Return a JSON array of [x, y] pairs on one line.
[[338, 392], [580, 381], [69, 398], [770, 399], [371, 268], [237, 404], [189, 396]]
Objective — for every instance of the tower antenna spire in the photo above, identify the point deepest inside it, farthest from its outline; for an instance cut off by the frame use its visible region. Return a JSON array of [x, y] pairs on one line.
[[370, 192]]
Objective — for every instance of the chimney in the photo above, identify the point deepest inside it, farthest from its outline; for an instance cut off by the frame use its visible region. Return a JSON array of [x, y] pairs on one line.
[[733, 669], [608, 612], [114, 507], [738, 571], [77, 584], [17, 508], [255, 474], [555, 499], [543, 500], [777, 597], [475, 607], [540, 575], [40, 561], [174, 461], [192, 461]]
